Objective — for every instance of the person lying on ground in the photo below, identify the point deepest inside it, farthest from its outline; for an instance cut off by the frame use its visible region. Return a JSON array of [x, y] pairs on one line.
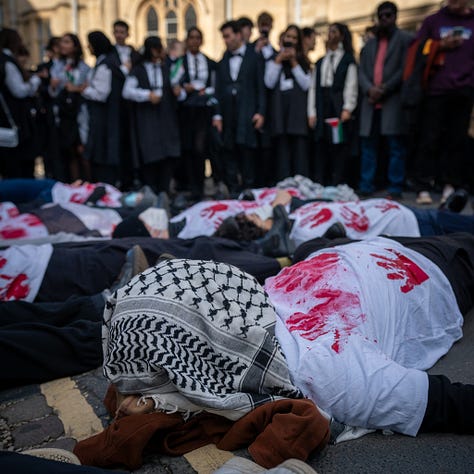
[[56, 272], [337, 327]]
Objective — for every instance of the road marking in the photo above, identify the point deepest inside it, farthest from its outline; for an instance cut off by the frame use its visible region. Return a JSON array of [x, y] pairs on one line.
[[75, 413], [207, 459]]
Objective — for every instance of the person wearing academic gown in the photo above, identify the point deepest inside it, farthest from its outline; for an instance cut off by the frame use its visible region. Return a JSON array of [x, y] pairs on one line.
[[16, 162], [288, 75], [103, 93], [195, 115], [240, 92], [154, 118]]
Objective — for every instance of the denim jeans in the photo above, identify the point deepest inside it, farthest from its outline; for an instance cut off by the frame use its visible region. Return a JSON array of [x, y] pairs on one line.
[[22, 190], [368, 166]]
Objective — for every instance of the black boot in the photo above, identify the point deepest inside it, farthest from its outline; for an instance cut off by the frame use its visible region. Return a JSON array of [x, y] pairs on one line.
[[336, 231], [276, 242]]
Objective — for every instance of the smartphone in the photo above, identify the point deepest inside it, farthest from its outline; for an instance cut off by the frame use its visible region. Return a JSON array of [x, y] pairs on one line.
[[458, 31], [288, 44], [264, 34]]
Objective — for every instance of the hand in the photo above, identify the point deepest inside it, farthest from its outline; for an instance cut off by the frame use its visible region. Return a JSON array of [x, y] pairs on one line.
[[54, 82], [260, 43], [282, 197], [177, 90], [375, 94], [188, 87], [312, 121], [218, 124], [128, 65], [451, 42], [43, 73], [345, 116], [258, 120], [154, 98]]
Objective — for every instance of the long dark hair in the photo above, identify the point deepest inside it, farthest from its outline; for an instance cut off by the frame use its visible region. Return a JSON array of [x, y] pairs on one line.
[[78, 52], [152, 42], [239, 228], [10, 39], [100, 43], [346, 36], [300, 56]]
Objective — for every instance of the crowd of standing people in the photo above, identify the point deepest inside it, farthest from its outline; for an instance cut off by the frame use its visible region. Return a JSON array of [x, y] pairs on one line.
[[260, 114]]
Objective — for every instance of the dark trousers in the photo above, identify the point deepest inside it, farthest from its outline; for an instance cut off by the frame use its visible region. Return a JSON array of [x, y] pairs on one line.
[[292, 156], [450, 405], [239, 159], [330, 162], [87, 268], [443, 140], [45, 341], [105, 173], [157, 175]]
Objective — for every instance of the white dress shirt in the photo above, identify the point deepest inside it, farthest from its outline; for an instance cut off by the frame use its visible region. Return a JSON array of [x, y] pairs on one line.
[[328, 68], [100, 82], [15, 83], [132, 91], [124, 53], [274, 72]]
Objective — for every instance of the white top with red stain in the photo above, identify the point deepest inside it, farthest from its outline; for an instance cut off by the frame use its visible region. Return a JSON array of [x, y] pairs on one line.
[[63, 193], [361, 219], [359, 324], [22, 270], [205, 217], [14, 225]]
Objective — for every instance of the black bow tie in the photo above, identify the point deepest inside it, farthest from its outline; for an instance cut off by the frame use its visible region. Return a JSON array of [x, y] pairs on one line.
[[238, 54]]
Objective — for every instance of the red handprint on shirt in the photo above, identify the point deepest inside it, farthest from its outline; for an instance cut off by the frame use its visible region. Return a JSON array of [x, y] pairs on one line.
[[339, 313], [210, 211], [358, 222], [401, 268], [319, 218], [386, 206]]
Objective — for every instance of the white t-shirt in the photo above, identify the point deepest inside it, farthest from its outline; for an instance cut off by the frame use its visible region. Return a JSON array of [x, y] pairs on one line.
[[359, 324], [361, 219], [14, 225], [22, 270], [62, 193]]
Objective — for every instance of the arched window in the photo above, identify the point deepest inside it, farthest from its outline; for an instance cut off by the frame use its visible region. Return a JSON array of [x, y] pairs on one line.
[[171, 26], [190, 18], [151, 22]]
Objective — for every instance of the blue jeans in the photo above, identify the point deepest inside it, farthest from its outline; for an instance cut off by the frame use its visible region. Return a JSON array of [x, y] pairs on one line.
[[434, 222], [368, 165], [22, 190]]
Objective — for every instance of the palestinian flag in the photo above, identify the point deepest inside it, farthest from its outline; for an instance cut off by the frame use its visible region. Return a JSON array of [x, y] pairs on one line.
[[337, 131]]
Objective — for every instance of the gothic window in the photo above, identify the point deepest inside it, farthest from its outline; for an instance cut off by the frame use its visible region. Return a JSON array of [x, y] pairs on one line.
[[151, 22], [190, 18], [171, 26]]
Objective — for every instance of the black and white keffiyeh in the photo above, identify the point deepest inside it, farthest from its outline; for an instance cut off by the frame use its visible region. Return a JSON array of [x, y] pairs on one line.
[[195, 335]]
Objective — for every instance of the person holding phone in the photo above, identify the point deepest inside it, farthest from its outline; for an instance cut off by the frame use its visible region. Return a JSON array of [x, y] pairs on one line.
[[448, 102], [288, 76]]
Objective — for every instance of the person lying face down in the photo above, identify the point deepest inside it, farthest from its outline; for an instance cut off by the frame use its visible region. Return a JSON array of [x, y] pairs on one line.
[[359, 359]]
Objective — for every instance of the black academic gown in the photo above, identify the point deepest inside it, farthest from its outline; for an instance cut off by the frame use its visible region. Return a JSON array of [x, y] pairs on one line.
[[239, 100], [155, 131]]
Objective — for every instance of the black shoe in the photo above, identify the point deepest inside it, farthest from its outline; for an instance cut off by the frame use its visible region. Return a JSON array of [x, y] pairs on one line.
[[336, 231], [456, 201], [247, 195], [276, 242], [163, 202], [98, 193], [135, 263]]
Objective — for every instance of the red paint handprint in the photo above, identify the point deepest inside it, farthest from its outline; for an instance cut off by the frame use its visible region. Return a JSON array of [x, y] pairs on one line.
[[339, 313], [15, 289], [387, 206], [358, 222], [210, 211], [319, 218], [401, 268]]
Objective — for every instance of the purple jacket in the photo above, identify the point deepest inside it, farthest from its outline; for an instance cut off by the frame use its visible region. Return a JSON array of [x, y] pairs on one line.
[[458, 69]]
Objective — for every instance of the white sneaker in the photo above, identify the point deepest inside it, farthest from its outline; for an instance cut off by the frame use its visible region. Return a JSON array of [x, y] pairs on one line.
[[424, 198], [447, 191], [54, 454]]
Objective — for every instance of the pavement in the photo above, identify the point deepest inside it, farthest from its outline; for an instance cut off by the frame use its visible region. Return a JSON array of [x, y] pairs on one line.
[[61, 412]]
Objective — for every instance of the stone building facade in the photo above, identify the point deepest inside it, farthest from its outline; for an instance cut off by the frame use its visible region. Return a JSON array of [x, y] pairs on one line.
[[38, 19]]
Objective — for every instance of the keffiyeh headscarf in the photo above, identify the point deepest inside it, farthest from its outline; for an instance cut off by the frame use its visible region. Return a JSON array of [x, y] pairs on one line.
[[195, 335]]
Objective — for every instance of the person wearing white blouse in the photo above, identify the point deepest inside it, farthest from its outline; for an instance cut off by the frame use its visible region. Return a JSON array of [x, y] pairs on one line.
[[333, 95], [154, 118], [288, 77], [16, 162]]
